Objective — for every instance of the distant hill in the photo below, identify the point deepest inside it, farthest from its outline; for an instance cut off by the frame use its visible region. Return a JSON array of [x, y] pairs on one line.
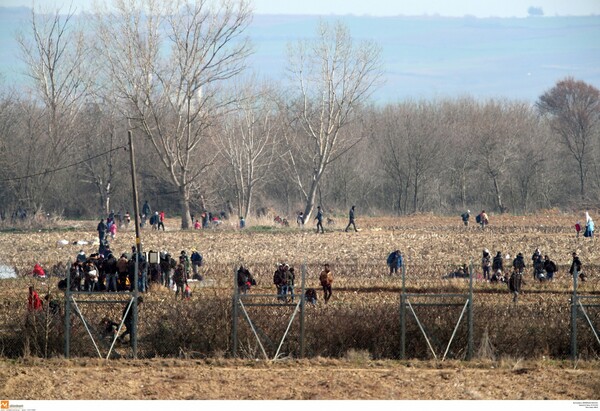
[[424, 57]]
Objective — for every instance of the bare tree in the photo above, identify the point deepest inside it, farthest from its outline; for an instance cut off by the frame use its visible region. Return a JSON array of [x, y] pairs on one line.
[[573, 109], [247, 141], [55, 55], [167, 60], [331, 77]]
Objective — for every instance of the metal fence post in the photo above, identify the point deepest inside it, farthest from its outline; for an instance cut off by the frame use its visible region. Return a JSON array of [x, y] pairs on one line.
[[234, 324], [470, 314], [302, 306], [574, 317], [68, 316], [403, 314]]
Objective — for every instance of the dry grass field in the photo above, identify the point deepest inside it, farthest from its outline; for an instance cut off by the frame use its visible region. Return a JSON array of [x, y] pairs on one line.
[[352, 341]]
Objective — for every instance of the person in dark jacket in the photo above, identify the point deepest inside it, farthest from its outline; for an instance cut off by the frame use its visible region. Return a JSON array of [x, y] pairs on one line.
[[128, 319], [519, 263], [465, 217], [576, 267], [319, 219], [244, 279], [549, 267], [486, 264], [394, 261], [515, 282], [498, 264], [351, 220], [102, 229]]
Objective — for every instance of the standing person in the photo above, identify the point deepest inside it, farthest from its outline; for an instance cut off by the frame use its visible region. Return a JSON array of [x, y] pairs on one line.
[[515, 283], [278, 280], [394, 261], [145, 212], [197, 260], [589, 226], [486, 264], [127, 219], [351, 220], [550, 267], [576, 266], [465, 217], [300, 219], [242, 222], [519, 263], [161, 220], [497, 265], [113, 231], [319, 219], [180, 280], [101, 228], [123, 273], [34, 302], [119, 217], [483, 219], [577, 228], [536, 258], [326, 278]]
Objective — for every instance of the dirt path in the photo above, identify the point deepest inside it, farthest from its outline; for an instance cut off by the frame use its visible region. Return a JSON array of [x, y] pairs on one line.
[[299, 380]]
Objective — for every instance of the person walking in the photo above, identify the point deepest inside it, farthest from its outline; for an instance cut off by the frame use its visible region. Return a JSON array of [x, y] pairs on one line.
[[319, 219], [102, 229], [576, 267], [515, 283], [351, 216], [465, 217], [326, 278], [161, 220]]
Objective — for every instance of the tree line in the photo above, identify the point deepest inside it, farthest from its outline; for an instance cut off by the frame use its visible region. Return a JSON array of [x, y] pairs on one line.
[[212, 135]]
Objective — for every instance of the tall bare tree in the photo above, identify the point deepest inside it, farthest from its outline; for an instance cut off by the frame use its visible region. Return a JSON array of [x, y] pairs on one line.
[[55, 55], [573, 109], [331, 77], [247, 141], [167, 60]]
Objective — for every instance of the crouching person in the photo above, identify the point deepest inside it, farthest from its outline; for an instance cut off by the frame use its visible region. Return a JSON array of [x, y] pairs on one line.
[[310, 296], [244, 280]]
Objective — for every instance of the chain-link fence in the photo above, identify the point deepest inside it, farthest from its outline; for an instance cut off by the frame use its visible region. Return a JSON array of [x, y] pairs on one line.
[[363, 315]]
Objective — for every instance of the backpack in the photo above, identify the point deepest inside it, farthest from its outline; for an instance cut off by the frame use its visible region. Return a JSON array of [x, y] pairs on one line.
[[478, 219]]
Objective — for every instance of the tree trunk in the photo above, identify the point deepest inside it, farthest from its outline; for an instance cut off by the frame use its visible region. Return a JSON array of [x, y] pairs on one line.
[[498, 195], [581, 180], [310, 198], [186, 218]]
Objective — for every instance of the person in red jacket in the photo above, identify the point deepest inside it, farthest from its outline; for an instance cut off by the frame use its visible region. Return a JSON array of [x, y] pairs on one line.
[[34, 303], [38, 271]]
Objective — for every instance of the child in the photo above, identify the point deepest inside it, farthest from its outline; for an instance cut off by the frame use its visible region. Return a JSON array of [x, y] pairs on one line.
[[197, 225], [578, 228]]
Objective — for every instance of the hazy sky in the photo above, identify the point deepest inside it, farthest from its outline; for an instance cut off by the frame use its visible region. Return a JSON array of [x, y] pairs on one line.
[[479, 8]]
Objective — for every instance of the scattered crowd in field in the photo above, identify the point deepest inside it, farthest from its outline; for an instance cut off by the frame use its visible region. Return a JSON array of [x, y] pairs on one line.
[[106, 271]]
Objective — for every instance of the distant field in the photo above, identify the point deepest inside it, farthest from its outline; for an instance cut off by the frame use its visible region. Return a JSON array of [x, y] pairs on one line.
[[363, 313]]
